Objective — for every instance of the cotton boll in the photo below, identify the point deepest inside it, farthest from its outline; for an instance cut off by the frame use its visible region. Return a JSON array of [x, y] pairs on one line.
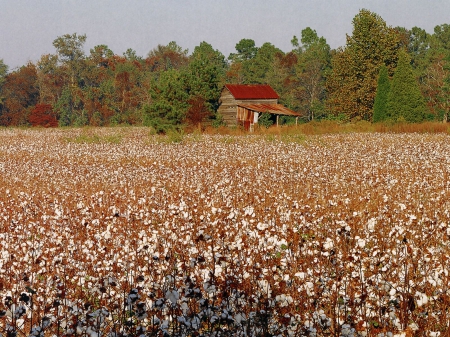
[[172, 295], [328, 244], [361, 243]]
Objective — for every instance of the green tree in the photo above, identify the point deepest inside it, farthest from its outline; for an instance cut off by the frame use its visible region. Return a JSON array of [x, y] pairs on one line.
[[313, 62], [405, 101], [256, 69], [49, 79], [246, 50], [441, 37], [352, 82], [206, 75], [436, 75], [71, 55], [252, 65], [3, 72], [169, 101], [418, 48], [381, 98]]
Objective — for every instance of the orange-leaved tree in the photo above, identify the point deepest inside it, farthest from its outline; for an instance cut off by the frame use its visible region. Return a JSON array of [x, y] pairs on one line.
[[43, 115]]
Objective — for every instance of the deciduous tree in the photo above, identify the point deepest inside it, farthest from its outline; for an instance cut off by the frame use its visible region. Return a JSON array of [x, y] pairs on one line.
[[313, 62], [3, 72], [71, 55], [43, 115], [20, 94], [353, 80]]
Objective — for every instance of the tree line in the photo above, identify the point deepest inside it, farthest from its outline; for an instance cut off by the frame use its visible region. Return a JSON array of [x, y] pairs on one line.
[[382, 73]]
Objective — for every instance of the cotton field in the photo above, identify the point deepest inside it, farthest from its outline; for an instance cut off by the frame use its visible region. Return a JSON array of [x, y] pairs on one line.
[[112, 232]]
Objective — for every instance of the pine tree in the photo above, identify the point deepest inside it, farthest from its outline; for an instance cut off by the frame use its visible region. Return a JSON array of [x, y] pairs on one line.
[[405, 101], [381, 97]]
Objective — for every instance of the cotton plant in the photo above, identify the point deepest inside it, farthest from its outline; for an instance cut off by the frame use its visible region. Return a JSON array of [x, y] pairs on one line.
[[353, 225]]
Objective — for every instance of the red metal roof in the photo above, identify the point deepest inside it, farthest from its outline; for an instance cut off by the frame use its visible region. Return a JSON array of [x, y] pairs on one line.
[[252, 91], [276, 109]]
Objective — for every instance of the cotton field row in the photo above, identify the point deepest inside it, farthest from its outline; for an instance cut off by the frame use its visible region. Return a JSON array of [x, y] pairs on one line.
[[115, 232]]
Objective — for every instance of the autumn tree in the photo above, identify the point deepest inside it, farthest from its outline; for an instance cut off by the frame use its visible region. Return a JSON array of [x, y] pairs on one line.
[[381, 98], [353, 80], [282, 77], [43, 115], [19, 94], [405, 101], [197, 111], [163, 58]]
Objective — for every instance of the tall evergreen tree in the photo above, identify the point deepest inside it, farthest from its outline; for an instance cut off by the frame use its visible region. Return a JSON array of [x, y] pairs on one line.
[[381, 97], [405, 101]]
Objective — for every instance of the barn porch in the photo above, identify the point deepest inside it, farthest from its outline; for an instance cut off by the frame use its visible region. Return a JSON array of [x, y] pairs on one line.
[[248, 114]]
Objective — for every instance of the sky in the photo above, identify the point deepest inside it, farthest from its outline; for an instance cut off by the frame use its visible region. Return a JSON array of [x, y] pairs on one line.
[[29, 27]]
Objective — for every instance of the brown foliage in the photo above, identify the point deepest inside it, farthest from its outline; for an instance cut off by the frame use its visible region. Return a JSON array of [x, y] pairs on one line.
[[19, 92], [43, 115], [197, 112]]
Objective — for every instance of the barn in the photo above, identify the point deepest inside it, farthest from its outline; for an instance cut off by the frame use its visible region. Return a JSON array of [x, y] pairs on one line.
[[242, 104]]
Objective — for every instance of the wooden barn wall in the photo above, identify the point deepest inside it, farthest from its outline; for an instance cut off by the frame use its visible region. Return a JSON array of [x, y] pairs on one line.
[[228, 106]]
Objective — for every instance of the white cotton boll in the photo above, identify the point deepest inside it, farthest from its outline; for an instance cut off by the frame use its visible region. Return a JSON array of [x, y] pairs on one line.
[[184, 307], [195, 323], [309, 288], [218, 271], [300, 275], [280, 298], [422, 299], [413, 326], [260, 226], [239, 318], [172, 295], [371, 224], [328, 244], [432, 282], [361, 243]]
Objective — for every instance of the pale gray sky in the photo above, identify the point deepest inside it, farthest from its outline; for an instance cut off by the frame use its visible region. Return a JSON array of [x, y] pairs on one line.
[[28, 27]]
